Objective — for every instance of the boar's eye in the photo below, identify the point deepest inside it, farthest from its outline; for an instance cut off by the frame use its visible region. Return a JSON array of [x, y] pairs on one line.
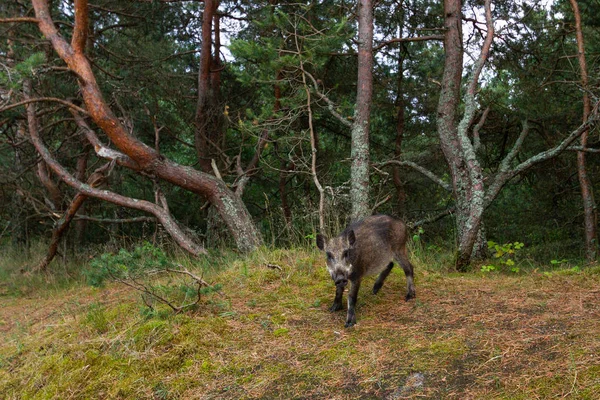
[[345, 254], [329, 256]]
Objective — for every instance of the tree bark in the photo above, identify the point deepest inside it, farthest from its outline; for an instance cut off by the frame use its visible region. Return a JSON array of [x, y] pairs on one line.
[[465, 169], [55, 195], [228, 205], [80, 224], [587, 194], [359, 172], [206, 135], [400, 123]]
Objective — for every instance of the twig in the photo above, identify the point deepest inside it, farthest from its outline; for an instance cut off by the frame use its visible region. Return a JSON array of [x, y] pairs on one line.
[[274, 266]]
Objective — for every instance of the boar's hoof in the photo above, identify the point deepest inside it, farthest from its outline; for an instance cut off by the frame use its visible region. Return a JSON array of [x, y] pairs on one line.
[[335, 307], [410, 295], [350, 324], [376, 288]]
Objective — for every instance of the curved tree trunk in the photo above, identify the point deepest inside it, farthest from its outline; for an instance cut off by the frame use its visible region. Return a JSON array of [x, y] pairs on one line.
[[228, 205], [459, 151]]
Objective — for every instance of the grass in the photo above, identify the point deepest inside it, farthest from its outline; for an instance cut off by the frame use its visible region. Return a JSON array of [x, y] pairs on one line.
[[268, 334]]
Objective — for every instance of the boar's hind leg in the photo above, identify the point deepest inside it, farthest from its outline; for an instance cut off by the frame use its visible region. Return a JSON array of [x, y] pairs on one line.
[[402, 258], [352, 295], [381, 278], [337, 302]]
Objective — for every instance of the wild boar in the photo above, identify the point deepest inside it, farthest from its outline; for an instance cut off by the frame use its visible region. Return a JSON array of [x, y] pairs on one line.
[[366, 247]]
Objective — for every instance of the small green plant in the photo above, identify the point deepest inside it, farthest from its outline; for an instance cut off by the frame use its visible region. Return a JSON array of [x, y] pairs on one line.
[[96, 318], [488, 268], [558, 262], [141, 261], [141, 269], [564, 272], [417, 235], [504, 253]]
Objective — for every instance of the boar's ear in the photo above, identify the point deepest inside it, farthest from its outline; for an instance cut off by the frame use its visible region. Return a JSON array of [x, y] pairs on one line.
[[321, 240], [351, 238]]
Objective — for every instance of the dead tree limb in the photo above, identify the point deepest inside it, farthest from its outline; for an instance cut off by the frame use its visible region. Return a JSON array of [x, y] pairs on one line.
[[97, 179], [163, 217], [229, 206]]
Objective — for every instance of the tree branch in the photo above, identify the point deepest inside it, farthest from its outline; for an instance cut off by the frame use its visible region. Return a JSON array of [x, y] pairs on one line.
[[85, 189], [114, 220], [505, 174], [44, 99], [330, 104], [432, 218], [100, 149], [408, 39], [81, 26], [446, 186], [477, 128], [18, 19]]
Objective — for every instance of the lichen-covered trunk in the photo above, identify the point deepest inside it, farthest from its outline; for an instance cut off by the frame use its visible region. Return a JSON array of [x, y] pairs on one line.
[[359, 170], [471, 241], [590, 213], [467, 186]]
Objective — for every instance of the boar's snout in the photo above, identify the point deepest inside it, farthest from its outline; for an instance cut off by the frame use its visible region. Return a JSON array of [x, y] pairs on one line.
[[340, 280]]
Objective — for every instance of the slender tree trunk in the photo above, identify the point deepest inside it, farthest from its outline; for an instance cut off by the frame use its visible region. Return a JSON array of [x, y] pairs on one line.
[[587, 194], [206, 135], [400, 123], [81, 224], [283, 174], [359, 189], [54, 193], [18, 224]]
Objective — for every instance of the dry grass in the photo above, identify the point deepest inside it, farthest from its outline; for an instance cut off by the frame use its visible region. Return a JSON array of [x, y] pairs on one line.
[[269, 335]]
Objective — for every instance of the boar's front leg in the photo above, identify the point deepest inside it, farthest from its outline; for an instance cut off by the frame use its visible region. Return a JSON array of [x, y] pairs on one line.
[[337, 302], [352, 295]]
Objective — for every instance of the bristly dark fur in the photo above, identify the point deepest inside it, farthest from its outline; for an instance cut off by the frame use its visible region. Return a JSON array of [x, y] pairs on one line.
[[366, 247]]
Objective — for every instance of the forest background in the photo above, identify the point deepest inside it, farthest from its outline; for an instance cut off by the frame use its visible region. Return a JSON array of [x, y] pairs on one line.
[[192, 150], [234, 123]]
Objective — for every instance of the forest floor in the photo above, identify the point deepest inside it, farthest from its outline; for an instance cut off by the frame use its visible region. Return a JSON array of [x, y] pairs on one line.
[[269, 334]]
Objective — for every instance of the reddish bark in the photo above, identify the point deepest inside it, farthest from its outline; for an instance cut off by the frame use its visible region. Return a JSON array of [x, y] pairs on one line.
[[229, 206], [205, 135], [62, 225], [587, 194]]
